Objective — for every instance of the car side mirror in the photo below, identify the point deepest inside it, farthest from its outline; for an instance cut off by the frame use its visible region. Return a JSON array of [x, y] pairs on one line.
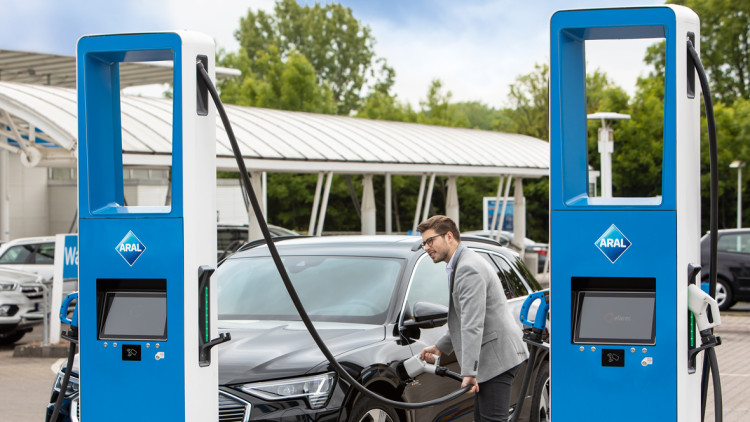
[[428, 315]]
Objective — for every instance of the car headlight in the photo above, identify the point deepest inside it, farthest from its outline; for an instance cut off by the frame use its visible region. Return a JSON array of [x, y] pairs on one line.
[[315, 389], [6, 286], [72, 384]]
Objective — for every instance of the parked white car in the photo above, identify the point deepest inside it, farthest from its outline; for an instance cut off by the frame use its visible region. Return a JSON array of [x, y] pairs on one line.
[[21, 296], [31, 254]]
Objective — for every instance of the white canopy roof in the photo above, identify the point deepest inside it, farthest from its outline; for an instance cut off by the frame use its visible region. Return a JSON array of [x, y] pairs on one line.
[[55, 70], [277, 141]]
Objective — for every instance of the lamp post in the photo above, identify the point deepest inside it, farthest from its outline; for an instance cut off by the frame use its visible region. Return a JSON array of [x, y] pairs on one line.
[[606, 147], [737, 164]]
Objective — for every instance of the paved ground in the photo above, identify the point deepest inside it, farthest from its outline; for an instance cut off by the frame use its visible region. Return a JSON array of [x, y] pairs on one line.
[[25, 382]]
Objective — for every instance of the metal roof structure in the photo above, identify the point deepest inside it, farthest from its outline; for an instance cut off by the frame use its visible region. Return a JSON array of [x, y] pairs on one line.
[[275, 140], [56, 70]]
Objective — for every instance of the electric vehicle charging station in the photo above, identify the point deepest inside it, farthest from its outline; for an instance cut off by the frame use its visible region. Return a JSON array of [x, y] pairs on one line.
[[147, 315], [623, 332]]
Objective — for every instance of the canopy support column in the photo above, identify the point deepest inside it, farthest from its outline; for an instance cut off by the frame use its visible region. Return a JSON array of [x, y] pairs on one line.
[[417, 212], [451, 201], [388, 205], [324, 205], [368, 206], [253, 228], [316, 203]]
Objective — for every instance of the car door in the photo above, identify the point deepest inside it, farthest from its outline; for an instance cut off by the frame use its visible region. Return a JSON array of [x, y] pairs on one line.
[[429, 283], [734, 254]]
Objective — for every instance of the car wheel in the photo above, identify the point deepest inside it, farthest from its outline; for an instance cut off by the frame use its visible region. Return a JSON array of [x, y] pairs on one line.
[[369, 410], [540, 404], [724, 295], [11, 337]]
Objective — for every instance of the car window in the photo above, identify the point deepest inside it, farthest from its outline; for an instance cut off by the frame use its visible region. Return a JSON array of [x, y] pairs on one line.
[[224, 237], [331, 288], [734, 243], [20, 254], [45, 255], [510, 278], [508, 293], [429, 283]]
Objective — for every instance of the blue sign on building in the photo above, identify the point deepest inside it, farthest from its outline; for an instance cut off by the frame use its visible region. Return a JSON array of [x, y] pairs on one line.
[[70, 257], [489, 212]]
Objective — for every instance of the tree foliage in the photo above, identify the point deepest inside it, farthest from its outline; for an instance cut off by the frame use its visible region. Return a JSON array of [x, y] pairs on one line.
[[725, 45], [325, 38]]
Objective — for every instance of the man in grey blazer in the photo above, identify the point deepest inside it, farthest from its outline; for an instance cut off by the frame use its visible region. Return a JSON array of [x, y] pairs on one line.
[[488, 343]]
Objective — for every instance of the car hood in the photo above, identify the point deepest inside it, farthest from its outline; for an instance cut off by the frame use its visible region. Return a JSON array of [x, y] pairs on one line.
[[12, 275], [264, 350]]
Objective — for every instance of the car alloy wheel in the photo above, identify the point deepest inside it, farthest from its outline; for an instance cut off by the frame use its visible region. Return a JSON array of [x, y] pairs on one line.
[[376, 415], [544, 403], [369, 410], [723, 295], [540, 402]]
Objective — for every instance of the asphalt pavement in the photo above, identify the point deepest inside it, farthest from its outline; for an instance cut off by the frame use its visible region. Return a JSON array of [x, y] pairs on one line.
[[25, 383]]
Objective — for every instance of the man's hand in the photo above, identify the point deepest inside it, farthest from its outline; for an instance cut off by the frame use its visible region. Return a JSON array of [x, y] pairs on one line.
[[428, 354], [470, 381]]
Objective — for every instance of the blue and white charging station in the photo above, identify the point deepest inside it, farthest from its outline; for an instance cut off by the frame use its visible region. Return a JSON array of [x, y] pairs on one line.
[[147, 316], [620, 283]]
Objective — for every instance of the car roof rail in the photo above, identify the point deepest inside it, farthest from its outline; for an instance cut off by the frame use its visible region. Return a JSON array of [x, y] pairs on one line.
[[481, 239], [262, 241]]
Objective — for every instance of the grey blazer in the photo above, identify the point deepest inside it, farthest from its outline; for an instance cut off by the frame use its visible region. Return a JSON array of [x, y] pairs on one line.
[[481, 329]]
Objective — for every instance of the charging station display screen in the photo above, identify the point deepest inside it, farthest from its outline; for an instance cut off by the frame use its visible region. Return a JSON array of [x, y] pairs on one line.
[[134, 316], [616, 318]]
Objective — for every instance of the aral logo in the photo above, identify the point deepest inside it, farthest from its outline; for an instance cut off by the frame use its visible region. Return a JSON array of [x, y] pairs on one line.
[[130, 248], [613, 243]]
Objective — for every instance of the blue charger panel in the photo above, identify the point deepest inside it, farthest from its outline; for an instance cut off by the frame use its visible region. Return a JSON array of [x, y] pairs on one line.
[[610, 247], [131, 257], [99, 124], [568, 136]]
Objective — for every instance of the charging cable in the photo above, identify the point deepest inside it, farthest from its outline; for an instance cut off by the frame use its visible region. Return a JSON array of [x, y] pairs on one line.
[[343, 373], [711, 364]]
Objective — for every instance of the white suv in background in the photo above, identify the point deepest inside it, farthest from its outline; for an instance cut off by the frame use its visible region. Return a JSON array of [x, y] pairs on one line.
[[21, 297], [31, 254]]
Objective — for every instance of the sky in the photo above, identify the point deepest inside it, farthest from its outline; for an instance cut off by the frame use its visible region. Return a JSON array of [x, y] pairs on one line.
[[476, 48]]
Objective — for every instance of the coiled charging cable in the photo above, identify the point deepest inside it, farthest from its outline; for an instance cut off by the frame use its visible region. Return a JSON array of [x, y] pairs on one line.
[[710, 365], [343, 373]]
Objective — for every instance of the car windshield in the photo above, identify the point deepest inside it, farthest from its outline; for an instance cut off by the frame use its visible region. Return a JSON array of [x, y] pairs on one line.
[[331, 288]]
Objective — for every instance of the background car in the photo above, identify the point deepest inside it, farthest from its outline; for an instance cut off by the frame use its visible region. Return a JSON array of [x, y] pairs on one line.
[[364, 295], [530, 246], [31, 254], [229, 238], [21, 298], [733, 269]]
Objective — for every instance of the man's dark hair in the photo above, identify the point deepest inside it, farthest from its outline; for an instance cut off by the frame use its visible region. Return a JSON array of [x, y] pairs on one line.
[[441, 224]]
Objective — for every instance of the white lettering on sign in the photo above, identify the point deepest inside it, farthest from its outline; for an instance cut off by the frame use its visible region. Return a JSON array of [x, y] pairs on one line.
[[611, 243], [129, 247], [71, 255]]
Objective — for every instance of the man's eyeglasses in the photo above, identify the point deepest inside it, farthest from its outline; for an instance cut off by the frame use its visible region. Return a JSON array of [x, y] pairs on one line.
[[429, 240]]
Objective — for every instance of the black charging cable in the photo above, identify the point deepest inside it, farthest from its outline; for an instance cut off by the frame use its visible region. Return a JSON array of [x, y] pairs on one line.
[[72, 337], [711, 364], [343, 373]]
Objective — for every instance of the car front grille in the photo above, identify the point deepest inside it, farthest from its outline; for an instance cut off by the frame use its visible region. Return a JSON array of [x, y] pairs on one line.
[[232, 409], [33, 292]]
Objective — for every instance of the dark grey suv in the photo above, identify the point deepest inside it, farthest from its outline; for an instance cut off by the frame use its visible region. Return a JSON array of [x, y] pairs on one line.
[[733, 269], [360, 292]]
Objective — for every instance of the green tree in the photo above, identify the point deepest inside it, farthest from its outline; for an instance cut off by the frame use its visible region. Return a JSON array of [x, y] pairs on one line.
[[528, 99], [334, 42], [289, 84], [725, 45], [437, 109]]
